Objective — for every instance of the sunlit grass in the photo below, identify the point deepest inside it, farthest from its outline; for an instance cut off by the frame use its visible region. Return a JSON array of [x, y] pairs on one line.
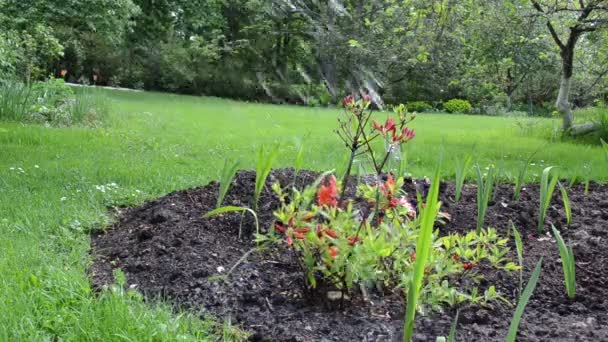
[[55, 185]]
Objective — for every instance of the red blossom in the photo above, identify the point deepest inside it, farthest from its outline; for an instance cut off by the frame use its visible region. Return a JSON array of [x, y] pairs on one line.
[[348, 100], [367, 98], [279, 228], [468, 266], [413, 256], [331, 233], [328, 194], [333, 251], [352, 240], [405, 136], [289, 241], [302, 230], [393, 202], [389, 126], [299, 236]]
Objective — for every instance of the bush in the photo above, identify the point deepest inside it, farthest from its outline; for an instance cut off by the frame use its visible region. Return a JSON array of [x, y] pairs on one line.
[[51, 102], [418, 106], [457, 106]]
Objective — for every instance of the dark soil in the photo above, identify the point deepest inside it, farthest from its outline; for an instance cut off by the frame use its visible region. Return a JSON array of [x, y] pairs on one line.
[[167, 249]]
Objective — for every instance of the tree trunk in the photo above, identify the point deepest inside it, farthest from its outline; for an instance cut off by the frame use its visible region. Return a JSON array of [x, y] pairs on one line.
[[562, 104]]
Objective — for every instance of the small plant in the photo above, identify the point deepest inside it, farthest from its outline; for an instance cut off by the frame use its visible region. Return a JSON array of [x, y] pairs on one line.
[[523, 301], [461, 170], [263, 165], [547, 186], [484, 193], [566, 201], [226, 177], [520, 255], [233, 209], [567, 256], [521, 175], [423, 250], [457, 106], [299, 162]]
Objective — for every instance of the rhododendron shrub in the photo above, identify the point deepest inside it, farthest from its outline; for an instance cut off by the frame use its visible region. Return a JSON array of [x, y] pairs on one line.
[[369, 240]]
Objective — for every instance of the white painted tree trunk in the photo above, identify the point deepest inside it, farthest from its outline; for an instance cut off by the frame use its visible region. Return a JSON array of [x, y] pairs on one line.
[[562, 103]]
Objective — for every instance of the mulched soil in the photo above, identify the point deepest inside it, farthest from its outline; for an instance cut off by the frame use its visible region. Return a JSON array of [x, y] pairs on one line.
[[167, 249]]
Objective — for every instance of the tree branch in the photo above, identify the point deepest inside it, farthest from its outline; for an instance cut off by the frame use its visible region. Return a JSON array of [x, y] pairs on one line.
[[555, 36]]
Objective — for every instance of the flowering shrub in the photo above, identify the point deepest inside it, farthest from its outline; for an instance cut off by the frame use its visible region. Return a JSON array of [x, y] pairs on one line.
[[369, 240]]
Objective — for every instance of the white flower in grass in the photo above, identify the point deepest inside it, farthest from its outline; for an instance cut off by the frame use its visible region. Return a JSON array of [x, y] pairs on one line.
[[36, 166], [63, 199]]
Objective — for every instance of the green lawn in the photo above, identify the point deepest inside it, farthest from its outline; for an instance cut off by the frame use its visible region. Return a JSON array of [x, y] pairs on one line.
[[55, 184]]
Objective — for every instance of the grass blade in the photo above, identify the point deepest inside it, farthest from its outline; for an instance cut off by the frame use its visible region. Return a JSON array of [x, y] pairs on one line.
[[423, 249], [484, 192], [299, 162], [566, 201], [226, 177], [520, 255], [523, 301]]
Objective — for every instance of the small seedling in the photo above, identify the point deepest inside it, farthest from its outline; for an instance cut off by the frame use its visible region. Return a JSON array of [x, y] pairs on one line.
[[226, 177], [461, 171], [523, 301], [567, 256], [423, 249], [520, 256], [232, 209], [484, 193], [566, 200], [263, 165], [547, 186]]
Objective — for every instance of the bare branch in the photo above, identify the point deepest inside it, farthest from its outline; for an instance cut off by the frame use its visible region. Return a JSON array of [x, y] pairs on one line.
[[555, 36]]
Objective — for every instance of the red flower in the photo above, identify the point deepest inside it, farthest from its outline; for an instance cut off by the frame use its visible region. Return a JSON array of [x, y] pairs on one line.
[[348, 101], [389, 126], [405, 136], [328, 194], [289, 241], [413, 256], [388, 186], [279, 228], [302, 230], [352, 240], [367, 98], [331, 233], [393, 202], [468, 266], [333, 251], [298, 236]]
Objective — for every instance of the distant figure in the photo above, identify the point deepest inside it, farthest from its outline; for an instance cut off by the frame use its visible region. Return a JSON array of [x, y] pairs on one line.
[[95, 79], [63, 72]]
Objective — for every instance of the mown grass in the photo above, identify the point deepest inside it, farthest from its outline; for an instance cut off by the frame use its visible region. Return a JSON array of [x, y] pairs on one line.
[[56, 183]]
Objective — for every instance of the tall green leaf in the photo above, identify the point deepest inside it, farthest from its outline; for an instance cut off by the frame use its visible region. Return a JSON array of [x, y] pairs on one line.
[[523, 301], [423, 250], [547, 186], [568, 265], [566, 201], [263, 166], [226, 177], [461, 170], [484, 192], [520, 255]]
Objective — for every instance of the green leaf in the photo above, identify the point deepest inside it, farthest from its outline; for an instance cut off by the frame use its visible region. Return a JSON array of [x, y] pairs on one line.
[[568, 266], [232, 209], [423, 250], [523, 301], [520, 254], [452, 336], [226, 177], [566, 201]]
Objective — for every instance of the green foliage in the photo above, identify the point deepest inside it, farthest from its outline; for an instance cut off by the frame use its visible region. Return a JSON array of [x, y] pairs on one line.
[[462, 166], [452, 335], [233, 209], [263, 165], [605, 147], [484, 193], [423, 250], [547, 186], [226, 177], [566, 201], [457, 106], [521, 176], [568, 265], [519, 247], [418, 107], [523, 301], [51, 102]]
